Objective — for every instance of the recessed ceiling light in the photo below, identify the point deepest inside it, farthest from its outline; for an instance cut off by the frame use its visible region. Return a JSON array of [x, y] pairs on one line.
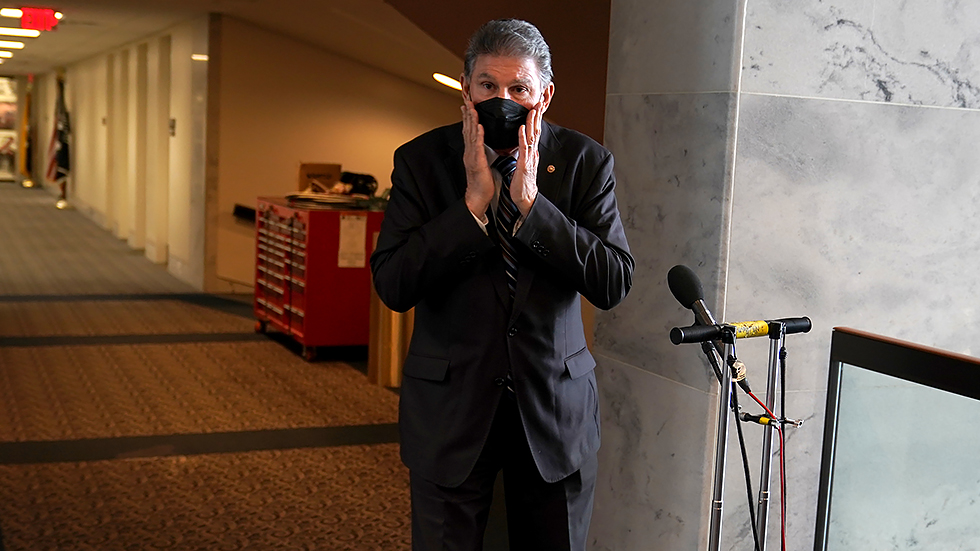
[[11, 12], [450, 82], [6, 54], [10, 44], [12, 31]]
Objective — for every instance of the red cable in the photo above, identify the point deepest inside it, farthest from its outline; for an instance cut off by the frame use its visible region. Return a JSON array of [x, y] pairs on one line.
[[763, 406], [782, 471], [782, 487]]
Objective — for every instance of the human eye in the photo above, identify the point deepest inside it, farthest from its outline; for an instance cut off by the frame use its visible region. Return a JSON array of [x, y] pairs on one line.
[[521, 90]]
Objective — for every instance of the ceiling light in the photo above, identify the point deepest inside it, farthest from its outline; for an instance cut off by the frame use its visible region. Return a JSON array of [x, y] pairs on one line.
[[12, 45], [12, 31], [199, 57], [58, 15], [450, 82], [6, 54], [11, 12]]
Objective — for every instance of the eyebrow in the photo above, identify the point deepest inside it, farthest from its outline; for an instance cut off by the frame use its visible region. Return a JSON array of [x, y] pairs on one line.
[[522, 81]]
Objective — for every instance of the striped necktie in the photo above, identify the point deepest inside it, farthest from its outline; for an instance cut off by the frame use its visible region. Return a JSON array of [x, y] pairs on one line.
[[506, 217]]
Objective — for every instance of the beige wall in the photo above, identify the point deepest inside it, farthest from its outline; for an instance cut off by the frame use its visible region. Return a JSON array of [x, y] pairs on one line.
[[136, 109], [122, 173], [157, 148], [87, 101], [282, 103], [128, 174], [120, 190], [188, 97]]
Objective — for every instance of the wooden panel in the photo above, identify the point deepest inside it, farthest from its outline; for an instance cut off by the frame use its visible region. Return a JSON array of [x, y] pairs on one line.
[[391, 333]]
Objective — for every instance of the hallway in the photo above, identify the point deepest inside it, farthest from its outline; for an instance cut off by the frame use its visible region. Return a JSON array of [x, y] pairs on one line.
[[136, 413]]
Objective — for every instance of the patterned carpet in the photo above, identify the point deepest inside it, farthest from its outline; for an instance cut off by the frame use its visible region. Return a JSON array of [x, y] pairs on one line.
[[72, 392], [344, 498], [137, 414], [26, 318]]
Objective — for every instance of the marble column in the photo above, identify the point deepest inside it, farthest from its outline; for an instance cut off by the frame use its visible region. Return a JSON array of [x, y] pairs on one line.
[[804, 158], [670, 121]]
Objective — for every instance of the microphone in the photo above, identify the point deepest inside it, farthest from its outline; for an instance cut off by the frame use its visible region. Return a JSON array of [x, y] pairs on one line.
[[686, 288], [743, 329]]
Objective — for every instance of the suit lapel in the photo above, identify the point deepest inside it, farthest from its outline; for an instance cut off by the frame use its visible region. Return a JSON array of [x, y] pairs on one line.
[[551, 169], [454, 163]]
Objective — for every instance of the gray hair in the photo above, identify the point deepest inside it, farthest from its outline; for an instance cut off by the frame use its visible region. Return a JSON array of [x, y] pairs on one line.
[[511, 38]]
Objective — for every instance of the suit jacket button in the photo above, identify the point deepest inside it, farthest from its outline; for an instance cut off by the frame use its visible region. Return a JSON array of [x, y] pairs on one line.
[[499, 381], [512, 332]]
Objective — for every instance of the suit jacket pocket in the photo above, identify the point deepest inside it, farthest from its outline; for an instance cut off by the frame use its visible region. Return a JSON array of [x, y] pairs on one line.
[[430, 369], [579, 363]]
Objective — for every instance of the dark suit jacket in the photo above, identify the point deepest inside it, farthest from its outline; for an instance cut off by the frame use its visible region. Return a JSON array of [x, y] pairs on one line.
[[432, 255]]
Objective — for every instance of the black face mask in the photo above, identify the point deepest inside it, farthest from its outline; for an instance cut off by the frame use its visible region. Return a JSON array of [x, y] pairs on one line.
[[501, 119]]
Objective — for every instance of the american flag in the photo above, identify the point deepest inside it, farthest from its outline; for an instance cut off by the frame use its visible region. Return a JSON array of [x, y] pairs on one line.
[[58, 158]]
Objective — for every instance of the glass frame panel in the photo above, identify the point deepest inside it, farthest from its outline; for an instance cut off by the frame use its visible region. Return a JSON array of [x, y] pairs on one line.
[[954, 373]]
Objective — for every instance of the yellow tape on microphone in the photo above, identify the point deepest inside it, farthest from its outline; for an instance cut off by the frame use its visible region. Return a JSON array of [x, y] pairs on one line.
[[746, 329]]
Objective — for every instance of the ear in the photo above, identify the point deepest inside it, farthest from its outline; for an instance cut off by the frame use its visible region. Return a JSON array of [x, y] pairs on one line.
[[546, 96], [465, 87]]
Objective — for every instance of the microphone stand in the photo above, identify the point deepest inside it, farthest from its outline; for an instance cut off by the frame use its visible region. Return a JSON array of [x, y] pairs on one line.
[[721, 444], [727, 334], [777, 340]]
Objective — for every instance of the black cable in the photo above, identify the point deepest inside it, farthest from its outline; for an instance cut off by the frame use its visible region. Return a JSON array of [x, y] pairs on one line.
[[782, 383], [708, 350], [745, 468]]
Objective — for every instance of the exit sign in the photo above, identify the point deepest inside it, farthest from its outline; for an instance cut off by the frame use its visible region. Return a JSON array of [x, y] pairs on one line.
[[41, 19]]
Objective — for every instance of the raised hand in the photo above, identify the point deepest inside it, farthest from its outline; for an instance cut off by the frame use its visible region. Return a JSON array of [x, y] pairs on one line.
[[524, 185], [479, 181]]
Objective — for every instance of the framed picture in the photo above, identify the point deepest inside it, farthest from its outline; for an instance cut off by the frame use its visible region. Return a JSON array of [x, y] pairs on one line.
[[8, 115], [8, 153]]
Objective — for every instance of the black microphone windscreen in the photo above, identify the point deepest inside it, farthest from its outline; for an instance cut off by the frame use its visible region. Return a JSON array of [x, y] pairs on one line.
[[685, 285]]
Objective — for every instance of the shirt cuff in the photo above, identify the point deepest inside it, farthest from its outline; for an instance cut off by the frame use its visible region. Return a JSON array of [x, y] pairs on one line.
[[517, 225], [483, 225]]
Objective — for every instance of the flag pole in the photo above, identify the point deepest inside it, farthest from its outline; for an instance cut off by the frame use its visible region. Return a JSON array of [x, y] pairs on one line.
[[59, 165], [26, 145]]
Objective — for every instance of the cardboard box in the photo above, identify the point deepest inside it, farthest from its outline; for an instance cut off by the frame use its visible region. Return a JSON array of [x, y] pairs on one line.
[[326, 175]]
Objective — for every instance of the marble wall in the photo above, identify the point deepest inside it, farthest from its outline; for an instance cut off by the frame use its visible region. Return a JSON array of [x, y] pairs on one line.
[[670, 120], [816, 161]]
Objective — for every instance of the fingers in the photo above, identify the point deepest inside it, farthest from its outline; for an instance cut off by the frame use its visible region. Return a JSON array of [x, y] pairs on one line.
[[531, 131], [472, 130]]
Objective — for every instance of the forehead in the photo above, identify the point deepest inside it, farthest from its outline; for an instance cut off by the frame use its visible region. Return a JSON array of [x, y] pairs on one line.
[[506, 70]]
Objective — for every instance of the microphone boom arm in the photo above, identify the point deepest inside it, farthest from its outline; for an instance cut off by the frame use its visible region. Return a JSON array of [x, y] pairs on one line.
[[745, 329]]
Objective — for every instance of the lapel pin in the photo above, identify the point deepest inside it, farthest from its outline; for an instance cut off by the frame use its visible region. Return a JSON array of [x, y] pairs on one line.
[[551, 168]]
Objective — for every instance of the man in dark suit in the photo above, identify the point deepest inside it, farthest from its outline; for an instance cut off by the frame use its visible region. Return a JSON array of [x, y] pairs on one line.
[[494, 255]]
